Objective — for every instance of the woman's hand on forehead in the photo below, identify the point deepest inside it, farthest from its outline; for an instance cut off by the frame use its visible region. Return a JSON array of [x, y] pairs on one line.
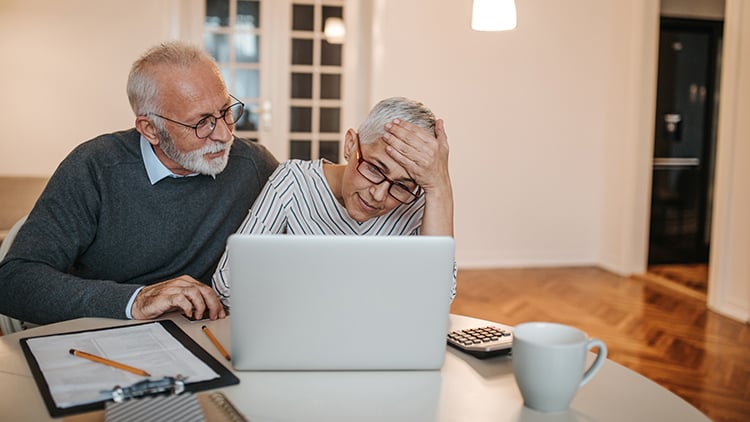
[[422, 154]]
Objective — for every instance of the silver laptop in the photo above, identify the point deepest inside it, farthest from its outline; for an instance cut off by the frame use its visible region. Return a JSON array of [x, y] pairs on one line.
[[339, 302]]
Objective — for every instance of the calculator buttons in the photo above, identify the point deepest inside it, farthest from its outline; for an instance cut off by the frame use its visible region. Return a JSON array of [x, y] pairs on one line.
[[482, 342]]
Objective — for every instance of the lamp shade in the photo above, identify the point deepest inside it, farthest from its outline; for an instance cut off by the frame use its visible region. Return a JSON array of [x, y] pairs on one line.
[[334, 30], [493, 15]]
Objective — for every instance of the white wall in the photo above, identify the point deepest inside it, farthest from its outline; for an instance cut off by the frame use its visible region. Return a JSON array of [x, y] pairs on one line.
[[693, 9], [525, 113], [729, 277], [550, 124], [540, 121], [64, 68], [630, 107]]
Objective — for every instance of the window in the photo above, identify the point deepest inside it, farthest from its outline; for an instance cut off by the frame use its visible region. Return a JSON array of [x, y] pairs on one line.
[[256, 43], [316, 69], [232, 30]]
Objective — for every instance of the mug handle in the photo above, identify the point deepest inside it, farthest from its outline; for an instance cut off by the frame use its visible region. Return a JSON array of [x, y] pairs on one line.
[[601, 356]]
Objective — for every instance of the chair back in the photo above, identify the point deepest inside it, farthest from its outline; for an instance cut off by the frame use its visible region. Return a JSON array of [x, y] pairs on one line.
[[10, 325]]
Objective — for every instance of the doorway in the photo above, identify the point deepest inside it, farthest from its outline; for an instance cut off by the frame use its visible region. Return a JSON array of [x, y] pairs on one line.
[[684, 151]]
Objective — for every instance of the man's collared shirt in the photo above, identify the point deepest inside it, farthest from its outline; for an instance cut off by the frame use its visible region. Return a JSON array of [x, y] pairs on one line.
[[155, 169]]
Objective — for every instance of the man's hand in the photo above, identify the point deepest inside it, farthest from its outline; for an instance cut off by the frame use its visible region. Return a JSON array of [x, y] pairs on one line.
[[184, 293]]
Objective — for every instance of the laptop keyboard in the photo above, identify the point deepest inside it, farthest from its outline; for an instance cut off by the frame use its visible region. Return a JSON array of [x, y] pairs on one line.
[[482, 342]]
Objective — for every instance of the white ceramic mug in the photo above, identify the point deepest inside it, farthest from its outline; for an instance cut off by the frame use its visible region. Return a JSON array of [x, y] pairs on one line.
[[549, 360]]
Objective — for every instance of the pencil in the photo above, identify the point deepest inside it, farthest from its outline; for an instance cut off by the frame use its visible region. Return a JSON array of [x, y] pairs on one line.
[[108, 362], [216, 342]]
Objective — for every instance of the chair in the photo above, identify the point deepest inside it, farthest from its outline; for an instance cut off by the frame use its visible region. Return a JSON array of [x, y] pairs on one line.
[[7, 324]]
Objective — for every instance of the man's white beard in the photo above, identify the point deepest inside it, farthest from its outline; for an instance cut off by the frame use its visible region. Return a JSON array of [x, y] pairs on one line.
[[194, 160]]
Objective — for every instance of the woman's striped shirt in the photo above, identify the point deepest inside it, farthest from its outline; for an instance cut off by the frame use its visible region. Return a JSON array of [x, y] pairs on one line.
[[298, 200]]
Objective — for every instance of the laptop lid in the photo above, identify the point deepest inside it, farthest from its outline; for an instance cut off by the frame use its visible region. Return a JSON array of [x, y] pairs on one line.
[[339, 302]]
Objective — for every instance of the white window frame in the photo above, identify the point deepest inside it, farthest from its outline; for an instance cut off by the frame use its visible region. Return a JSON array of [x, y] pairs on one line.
[[275, 68]]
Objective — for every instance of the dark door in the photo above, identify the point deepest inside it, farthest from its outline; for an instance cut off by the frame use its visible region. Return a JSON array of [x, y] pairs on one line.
[[684, 141]]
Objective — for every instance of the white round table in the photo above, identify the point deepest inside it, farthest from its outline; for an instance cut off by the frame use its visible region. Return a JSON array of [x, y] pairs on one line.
[[465, 389]]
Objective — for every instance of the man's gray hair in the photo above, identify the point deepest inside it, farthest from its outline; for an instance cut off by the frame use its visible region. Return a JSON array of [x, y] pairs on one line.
[[143, 87], [373, 128]]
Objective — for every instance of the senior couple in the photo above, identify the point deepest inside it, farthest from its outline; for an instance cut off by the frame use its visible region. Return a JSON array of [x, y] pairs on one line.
[[133, 224]]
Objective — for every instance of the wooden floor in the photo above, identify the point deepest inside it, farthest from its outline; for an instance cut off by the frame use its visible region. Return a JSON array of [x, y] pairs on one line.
[[663, 334], [690, 278]]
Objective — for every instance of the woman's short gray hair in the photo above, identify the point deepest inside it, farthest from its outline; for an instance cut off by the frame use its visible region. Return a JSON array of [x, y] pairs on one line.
[[143, 87], [373, 128]]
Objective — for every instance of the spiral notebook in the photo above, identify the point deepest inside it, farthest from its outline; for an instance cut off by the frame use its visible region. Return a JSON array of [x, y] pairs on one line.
[[186, 407]]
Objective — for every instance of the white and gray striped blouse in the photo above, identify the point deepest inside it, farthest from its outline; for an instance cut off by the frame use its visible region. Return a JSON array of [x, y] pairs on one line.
[[298, 200]]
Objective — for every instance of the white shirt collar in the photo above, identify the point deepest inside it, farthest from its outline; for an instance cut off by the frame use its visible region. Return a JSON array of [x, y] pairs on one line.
[[155, 169]]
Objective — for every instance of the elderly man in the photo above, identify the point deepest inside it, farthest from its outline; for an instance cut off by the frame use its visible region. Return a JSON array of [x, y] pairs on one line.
[[132, 223]]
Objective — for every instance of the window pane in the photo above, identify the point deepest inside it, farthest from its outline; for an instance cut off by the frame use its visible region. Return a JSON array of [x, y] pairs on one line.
[[217, 45], [246, 48], [246, 83], [330, 86], [248, 121], [301, 119], [302, 51], [217, 13], [248, 14], [301, 85], [331, 12], [329, 150], [329, 119], [300, 150], [330, 54], [227, 75], [302, 18]]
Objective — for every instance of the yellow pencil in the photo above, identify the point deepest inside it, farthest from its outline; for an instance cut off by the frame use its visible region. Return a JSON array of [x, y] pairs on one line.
[[216, 343], [108, 362]]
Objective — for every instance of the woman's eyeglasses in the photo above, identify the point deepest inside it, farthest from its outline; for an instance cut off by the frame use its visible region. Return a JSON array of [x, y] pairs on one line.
[[401, 192]]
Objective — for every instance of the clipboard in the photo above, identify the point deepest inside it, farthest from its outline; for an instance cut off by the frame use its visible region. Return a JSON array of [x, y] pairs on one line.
[[226, 377]]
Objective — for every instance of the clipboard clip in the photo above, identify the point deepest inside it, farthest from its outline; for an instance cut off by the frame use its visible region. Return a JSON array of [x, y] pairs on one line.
[[168, 385]]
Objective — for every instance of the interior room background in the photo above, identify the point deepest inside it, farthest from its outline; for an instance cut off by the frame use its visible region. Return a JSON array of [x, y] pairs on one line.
[[550, 125]]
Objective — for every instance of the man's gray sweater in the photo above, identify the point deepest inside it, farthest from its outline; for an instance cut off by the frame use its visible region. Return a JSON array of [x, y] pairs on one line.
[[100, 229]]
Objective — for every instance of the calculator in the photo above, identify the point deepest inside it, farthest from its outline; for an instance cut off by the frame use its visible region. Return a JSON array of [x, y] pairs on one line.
[[482, 342]]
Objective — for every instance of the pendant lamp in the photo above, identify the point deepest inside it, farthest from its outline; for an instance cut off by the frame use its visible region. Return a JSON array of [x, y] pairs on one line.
[[493, 15]]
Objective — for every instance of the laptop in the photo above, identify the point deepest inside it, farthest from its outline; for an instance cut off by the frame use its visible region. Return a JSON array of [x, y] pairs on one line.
[[339, 302]]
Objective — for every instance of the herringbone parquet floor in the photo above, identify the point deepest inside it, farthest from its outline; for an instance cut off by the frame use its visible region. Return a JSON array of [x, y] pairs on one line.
[[669, 337]]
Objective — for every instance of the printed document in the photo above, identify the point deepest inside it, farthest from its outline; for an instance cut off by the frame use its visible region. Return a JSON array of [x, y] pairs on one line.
[[74, 381]]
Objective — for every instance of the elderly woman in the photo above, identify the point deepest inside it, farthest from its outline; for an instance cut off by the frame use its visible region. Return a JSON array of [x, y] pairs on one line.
[[395, 182]]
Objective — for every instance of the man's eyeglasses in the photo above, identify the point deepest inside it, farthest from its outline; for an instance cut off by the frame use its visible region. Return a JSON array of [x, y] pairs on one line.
[[401, 192], [206, 126]]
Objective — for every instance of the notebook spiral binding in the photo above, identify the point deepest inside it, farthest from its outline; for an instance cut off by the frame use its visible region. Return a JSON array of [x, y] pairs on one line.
[[226, 407]]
